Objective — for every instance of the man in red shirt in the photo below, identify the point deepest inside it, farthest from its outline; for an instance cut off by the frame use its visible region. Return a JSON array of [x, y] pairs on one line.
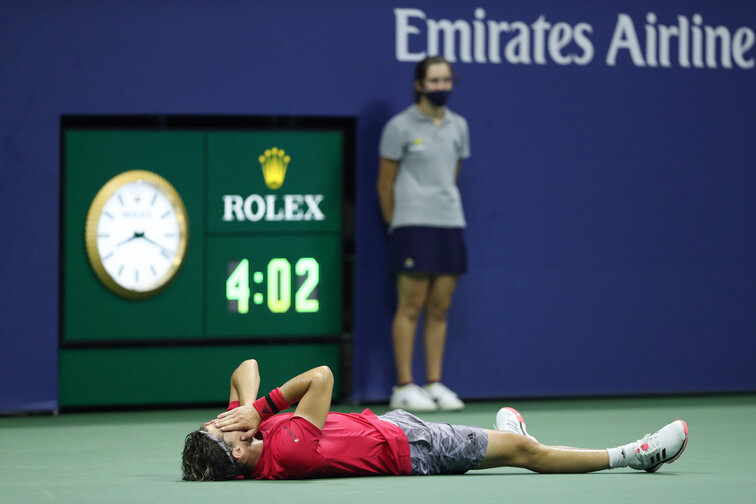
[[250, 440]]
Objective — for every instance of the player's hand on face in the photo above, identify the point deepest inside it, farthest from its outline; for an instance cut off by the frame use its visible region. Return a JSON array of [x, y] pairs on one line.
[[243, 418]]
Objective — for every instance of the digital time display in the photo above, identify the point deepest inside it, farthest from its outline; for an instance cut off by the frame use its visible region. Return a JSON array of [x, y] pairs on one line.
[[285, 285], [276, 285]]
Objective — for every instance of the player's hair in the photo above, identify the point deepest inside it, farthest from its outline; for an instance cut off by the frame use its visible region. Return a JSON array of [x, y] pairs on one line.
[[421, 70], [204, 460]]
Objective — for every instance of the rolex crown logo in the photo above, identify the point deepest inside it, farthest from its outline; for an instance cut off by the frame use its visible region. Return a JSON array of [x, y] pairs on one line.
[[274, 162]]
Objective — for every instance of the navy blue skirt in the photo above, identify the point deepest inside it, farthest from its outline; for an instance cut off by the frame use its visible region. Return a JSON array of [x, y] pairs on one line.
[[424, 249]]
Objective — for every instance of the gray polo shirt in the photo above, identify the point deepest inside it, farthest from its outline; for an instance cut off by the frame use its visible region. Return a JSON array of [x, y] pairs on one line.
[[425, 192]]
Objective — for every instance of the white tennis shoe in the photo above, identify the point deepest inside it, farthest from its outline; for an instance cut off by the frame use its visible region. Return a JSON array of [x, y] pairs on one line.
[[663, 446], [444, 397], [412, 398], [510, 420]]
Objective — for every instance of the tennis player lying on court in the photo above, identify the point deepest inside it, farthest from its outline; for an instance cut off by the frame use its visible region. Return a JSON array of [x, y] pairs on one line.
[[250, 440]]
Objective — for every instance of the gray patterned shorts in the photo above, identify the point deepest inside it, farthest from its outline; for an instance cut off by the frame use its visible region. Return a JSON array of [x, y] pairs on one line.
[[440, 448]]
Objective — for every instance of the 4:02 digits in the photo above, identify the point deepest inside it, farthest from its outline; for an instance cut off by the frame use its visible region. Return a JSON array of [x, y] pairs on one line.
[[279, 285]]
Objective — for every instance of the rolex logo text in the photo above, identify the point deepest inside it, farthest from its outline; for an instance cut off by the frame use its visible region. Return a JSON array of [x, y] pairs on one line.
[[273, 207], [289, 207]]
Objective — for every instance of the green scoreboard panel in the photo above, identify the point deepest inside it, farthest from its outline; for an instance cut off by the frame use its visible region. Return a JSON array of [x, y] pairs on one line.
[[260, 272], [274, 255]]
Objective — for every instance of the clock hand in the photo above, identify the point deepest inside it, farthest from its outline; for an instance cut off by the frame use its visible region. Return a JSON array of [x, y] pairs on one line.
[[135, 236], [165, 250]]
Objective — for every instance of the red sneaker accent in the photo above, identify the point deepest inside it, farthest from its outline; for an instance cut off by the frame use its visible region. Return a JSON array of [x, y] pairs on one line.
[[685, 445], [685, 426], [517, 414]]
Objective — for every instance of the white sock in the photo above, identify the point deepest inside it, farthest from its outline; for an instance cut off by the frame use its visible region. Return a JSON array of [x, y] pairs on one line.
[[619, 456]]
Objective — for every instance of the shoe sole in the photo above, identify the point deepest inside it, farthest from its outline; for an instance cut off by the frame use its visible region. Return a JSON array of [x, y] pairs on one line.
[[675, 456]]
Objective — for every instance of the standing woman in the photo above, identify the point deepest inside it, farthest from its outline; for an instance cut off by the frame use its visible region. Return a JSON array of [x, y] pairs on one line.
[[420, 155]]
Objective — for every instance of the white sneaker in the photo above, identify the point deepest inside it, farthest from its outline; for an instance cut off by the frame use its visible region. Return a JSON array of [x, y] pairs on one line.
[[412, 398], [663, 446], [445, 398], [510, 420]]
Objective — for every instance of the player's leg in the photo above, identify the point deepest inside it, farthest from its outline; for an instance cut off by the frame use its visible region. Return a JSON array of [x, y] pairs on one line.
[[412, 290], [517, 450], [511, 445]]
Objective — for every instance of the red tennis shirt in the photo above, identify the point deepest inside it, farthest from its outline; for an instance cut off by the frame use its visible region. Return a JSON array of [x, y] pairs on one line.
[[354, 444]]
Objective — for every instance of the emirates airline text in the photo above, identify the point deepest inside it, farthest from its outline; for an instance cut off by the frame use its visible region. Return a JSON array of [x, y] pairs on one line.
[[685, 41]]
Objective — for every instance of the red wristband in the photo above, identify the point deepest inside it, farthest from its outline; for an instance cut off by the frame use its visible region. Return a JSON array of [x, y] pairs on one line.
[[270, 404]]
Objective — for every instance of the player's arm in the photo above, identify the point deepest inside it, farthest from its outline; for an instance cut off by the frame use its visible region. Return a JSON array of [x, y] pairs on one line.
[[312, 390], [245, 383], [387, 170], [456, 173]]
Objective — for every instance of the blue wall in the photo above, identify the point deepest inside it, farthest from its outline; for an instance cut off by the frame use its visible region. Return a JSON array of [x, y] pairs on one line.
[[610, 204]]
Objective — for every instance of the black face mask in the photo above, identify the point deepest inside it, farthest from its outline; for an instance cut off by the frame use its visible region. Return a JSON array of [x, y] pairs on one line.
[[438, 98]]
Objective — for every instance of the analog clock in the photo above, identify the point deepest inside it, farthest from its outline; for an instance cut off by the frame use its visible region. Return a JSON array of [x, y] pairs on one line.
[[136, 234]]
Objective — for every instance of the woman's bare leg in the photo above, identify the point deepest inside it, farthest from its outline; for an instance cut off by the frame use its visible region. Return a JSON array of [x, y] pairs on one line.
[[412, 292], [439, 298]]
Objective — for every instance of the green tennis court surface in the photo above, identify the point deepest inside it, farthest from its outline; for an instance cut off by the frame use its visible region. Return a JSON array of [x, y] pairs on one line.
[[135, 456]]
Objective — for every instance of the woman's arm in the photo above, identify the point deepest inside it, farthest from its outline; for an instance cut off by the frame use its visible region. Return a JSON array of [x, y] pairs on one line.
[[387, 170]]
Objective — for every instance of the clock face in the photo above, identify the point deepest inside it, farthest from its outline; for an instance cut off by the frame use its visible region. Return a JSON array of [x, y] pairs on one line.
[[136, 234]]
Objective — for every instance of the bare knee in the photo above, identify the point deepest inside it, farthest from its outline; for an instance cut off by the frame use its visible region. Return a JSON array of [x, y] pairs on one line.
[[514, 450], [410, 307], [438, 309], [527, 453], [537, 457], [413, 294]]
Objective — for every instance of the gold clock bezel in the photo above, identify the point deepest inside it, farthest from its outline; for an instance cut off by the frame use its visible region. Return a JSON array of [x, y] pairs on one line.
[[93, 218]]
